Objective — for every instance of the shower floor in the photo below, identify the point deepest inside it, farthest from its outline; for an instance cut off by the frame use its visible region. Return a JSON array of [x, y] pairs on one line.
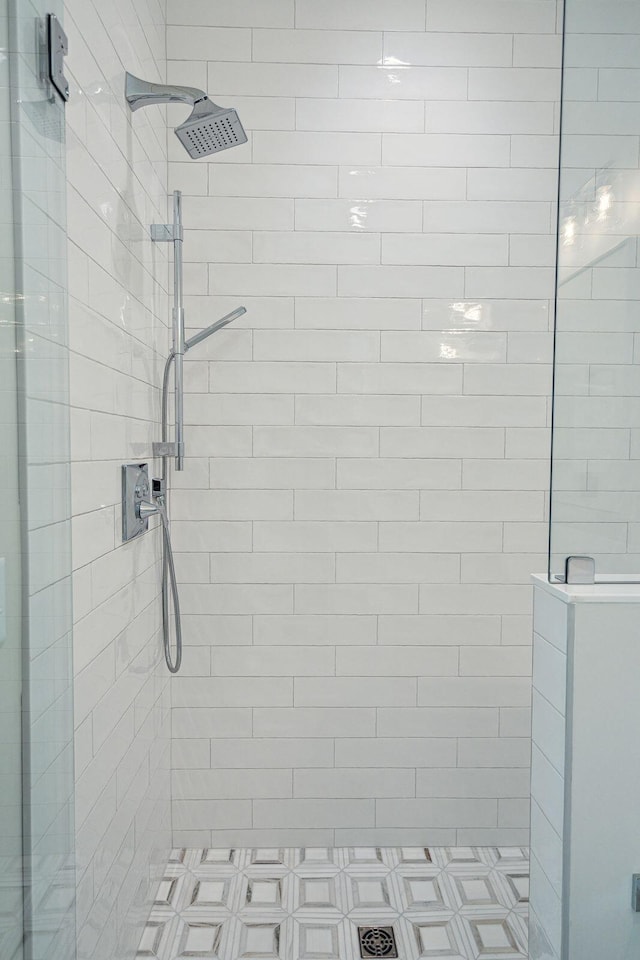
[[463, 903]]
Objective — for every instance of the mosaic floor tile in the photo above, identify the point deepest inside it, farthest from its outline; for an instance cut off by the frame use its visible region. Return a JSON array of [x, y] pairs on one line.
[[269, 856], [168, 892], [318, 893], [421, 893], [463, 903], [494, 937], [475, 892], [217, 857], [425, 939], [412, 855], [320, 940], [155, 937], [315, 856], [458, 856], [200, 940]]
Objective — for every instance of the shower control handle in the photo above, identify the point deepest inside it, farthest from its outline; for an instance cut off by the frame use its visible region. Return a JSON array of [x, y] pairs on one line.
[[142, 498], [146, 509]]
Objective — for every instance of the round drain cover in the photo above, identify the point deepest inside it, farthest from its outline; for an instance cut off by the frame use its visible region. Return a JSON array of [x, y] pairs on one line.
[[377, 942]]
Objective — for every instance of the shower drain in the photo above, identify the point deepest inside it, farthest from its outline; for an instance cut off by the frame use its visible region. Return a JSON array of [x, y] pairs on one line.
[[377, 942]]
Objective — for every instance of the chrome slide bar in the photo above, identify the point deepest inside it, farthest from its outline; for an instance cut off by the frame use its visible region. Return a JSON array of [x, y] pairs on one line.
[[174, 233]]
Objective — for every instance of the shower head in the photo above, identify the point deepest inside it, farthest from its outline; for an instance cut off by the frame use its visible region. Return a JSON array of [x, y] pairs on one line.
[[213, 328], [209, 129]]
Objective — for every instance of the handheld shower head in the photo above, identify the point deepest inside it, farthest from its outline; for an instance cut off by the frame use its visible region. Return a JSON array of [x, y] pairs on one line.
[[214, 327], [209, 129]]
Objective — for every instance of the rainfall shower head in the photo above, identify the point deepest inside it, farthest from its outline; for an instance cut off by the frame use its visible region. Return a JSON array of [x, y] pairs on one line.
[[209, 129], [213, 328]]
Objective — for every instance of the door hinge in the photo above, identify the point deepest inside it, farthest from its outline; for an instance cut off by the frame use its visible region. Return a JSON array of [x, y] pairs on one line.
[[58, 47]]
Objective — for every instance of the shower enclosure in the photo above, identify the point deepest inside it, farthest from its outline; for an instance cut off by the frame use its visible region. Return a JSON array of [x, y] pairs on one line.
[[364, 487]]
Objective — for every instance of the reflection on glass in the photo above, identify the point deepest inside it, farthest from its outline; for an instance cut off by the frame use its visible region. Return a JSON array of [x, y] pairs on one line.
[[595, 503]]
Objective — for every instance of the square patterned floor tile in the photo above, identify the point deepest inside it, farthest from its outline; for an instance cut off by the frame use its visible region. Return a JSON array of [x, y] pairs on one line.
[[494, 938], [264, 893], [475, 892], [369, 858], [157, 938], [371, 894], [319, 940], [316, 856], [507, 857], [519, 884], [458, 856], [217, 857], [210, 893], [511, 890], [259, 939], [322, 940], [250, 940], [421, 893], [271, 856], [432, 938], [463, 903], [415, 855], [168, 894], [200, 939], [317, 893]]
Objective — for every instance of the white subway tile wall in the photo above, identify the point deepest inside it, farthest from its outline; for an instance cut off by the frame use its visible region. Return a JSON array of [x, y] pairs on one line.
[[364, 495], [117, 186]]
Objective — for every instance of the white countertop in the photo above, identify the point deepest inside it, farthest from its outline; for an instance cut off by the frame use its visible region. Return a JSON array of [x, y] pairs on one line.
[[601, 592]]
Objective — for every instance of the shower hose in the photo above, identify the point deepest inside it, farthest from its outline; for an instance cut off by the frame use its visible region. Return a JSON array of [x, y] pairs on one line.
[[169, 580]]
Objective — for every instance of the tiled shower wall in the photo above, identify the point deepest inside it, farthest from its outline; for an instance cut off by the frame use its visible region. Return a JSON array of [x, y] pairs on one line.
[[118, 338], [363, 501]]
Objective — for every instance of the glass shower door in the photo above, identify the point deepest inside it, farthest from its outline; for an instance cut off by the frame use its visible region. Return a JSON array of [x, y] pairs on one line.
[[11, 923], [37, 881], [10, 666], [10, 647]]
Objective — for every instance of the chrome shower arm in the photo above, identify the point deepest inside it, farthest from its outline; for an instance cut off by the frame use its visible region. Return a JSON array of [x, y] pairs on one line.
[[141, 93], [208, 129]]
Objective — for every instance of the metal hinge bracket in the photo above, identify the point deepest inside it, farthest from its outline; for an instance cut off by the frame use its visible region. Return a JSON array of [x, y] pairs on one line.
[[635, 893], [165, 233], [167, 448], [58, 47], [580, 570]]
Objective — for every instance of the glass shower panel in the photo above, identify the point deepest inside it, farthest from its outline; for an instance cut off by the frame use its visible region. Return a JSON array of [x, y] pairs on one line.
[[36, 740], [595, 501], [11, 925]]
